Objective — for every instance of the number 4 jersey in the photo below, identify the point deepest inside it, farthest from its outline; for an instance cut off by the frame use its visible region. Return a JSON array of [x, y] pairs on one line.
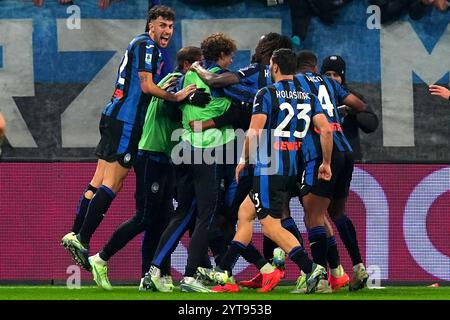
[[290, 110], [330, 94]]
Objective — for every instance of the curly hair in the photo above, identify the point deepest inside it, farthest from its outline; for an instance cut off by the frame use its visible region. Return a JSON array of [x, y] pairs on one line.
[[215, 44], [161, 11], [268, 44]]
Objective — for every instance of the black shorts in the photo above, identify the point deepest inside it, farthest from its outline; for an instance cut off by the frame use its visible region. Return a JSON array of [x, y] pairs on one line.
[[119, 141], [339, 185], [271, 195], [155, 186], [236, 193]]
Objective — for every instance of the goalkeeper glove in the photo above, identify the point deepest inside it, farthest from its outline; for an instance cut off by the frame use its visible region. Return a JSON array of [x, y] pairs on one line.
[[199, 98]]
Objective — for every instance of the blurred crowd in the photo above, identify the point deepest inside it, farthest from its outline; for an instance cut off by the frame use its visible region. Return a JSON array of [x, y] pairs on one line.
[[326, 10], [392, 10], [102, 4], [302, 11]]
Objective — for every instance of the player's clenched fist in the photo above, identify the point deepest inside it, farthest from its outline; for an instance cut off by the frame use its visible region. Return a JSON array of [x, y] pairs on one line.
[[325, 172]]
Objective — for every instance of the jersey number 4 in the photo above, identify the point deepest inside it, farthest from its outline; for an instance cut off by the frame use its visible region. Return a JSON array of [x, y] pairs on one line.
[[325, 101], [304, 109]]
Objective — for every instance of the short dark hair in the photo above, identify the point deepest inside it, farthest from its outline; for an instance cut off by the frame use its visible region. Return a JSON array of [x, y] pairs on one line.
[[161, 11], [268, 44], [190, 54], [286, 61], [306, 59], [216, 43]]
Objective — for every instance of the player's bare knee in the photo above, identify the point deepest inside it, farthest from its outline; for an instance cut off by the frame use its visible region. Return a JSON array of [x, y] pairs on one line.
[[114, 185], [89, 194]]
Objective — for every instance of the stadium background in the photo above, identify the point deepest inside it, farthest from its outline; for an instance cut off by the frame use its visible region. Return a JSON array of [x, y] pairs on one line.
[[55, 82]]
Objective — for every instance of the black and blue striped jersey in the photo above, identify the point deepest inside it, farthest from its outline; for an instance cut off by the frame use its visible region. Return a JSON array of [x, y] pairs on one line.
[[330, 94], [251, 79], [289, 109], [128, 102]]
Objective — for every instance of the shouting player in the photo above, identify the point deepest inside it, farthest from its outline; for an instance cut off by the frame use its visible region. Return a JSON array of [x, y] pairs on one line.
[[121, 127], [154, 178]]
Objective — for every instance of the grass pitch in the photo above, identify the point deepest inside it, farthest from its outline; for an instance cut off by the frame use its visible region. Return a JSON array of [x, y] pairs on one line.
[[280, 293]]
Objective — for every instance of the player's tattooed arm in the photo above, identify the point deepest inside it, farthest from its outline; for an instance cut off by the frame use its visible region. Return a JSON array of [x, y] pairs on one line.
[[150, 88], [214, 80]]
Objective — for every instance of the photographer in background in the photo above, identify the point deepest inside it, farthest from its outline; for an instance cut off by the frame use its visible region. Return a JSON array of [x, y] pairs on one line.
[[335, 68]]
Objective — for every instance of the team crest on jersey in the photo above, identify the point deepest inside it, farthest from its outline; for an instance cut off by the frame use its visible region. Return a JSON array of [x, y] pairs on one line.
[[155, 187], [127, 158], [148, 58]]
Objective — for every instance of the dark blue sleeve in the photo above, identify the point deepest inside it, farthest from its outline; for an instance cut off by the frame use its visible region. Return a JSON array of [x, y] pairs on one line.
[[148, 57], [247, 74], [316, 107], [341, 92], [262, 104], [239, 93]]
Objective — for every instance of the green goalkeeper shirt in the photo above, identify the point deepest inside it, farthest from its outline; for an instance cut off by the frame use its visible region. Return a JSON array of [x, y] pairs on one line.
[[209, 138], [160, 122]]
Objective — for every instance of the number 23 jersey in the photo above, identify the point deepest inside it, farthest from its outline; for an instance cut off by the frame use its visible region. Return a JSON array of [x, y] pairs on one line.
[[289, 110]]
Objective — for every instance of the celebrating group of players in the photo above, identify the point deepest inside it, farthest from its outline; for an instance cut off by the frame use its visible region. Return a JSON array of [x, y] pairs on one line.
[[181, 136]]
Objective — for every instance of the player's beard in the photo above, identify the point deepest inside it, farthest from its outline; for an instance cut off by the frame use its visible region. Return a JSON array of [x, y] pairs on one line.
[[272, 75]]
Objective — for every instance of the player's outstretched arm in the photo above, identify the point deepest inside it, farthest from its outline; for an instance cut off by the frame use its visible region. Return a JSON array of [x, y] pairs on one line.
[[2, 127], [326, 142], [229, 117], [199, 125], [2, 132], [214, 80], [355, 103], [150, 88], [440, 91]]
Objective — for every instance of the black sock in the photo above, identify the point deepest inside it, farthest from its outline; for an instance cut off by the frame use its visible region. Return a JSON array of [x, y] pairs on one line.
[[301, 259], [332, 254], [268, 247], [97, 209], [218, 245], [146, 256], [318, 242], [121, 237], [348, 236], [165, 266], [290, 225], [82, 210], [252, 255], [230, 258]]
